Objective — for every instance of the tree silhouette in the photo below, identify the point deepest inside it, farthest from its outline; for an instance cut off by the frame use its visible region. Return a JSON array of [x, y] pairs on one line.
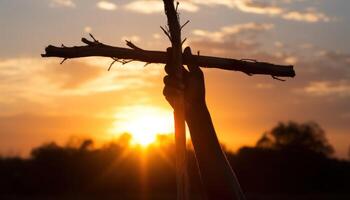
[[116, 170], [291, 136]]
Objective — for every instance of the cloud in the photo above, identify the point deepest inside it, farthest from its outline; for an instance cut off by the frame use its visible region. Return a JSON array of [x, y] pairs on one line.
[[47, 78], [334, 56], [156, 36], [145, 7], [310, 16], [265, 86], [24, 131], [87, 29], [62, 3], [229, 39], [20, 79], [317, 73], [328, 88], [106, 5], [219, 36], [155, 6], [73, 75], [78, 97], [292, 60], [250, 6], [38, 81]]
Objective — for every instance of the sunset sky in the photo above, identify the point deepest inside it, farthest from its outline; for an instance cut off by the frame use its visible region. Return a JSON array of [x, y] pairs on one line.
[[42, 101]]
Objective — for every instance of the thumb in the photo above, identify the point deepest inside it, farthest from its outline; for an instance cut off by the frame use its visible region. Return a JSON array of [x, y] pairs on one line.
[[189, 57]]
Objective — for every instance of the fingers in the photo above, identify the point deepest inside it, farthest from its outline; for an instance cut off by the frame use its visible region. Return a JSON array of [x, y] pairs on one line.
[[170, 92], [169, 95], [171, 81], [169, 67]]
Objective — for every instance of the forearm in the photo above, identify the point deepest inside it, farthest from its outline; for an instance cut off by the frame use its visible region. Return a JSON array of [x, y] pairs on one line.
[[218, 177]]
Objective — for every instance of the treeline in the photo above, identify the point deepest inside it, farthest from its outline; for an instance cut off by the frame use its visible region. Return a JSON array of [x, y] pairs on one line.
[[292, 159]]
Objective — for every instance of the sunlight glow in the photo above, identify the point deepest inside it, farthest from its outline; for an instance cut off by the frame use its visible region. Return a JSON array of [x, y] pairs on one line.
[[144, 123]]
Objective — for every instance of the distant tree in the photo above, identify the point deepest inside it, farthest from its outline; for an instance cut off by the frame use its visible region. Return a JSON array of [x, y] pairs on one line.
[[86, 144], [46, 150], [293, 136]]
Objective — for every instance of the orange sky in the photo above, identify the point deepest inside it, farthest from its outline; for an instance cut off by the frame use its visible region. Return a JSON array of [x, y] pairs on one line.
[[43, 101]]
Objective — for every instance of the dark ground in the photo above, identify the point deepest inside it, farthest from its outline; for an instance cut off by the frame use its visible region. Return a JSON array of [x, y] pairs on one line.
[[167, 197], [292, 162]]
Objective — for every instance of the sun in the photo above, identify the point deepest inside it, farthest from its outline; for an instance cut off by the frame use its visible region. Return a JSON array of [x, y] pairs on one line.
[[144, 123]]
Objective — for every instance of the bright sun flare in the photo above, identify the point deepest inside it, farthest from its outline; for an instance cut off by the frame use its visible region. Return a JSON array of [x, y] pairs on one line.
[[144, 123]]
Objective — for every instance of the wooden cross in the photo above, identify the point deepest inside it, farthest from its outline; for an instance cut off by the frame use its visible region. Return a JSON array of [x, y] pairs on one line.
[[173, 31]]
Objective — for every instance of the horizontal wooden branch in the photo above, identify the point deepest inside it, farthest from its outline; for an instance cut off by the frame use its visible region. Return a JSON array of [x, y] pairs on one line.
[[95, 48]]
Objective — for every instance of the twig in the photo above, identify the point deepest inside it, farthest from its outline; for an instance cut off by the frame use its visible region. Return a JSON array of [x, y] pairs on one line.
[[91, 43], [86, 41], [93, 38], [183, 41], [110, 66], [279, 79], [123, 62], [132, 45], [249, 74], [184, 24], [147, 64], [64, 59], [166, 32]]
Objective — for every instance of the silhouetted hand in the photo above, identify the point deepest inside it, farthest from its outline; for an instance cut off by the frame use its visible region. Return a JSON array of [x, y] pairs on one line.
[[219, 180], [192, 86]]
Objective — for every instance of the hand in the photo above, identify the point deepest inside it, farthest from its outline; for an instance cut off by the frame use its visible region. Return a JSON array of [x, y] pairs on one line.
[[218, 178], [192, 87]]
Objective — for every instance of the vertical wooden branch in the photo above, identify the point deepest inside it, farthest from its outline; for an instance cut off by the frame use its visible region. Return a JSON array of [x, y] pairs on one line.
[[179, 111]]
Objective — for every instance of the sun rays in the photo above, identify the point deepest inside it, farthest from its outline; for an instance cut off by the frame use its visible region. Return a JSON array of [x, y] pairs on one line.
[[143, 123]]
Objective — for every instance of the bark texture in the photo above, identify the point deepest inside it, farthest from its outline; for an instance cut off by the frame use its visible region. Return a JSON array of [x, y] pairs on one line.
[[179, 106], [250, 67]]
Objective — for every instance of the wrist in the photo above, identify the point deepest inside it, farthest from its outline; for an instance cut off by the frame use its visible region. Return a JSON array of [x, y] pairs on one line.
[[195, 106], [195, 111]]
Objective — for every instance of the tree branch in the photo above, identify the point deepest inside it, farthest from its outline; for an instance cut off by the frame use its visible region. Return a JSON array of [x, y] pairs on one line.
[[100, 49], [179, 105]]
